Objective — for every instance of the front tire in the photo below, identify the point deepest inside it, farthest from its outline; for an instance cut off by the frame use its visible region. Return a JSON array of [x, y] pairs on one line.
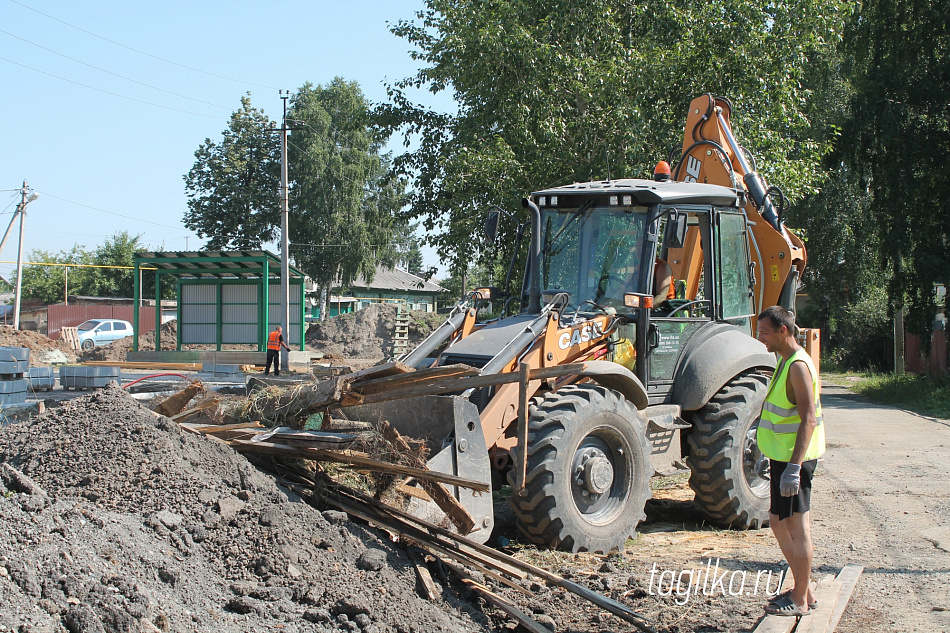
[[723, 455], [588, 474], [88, 344]]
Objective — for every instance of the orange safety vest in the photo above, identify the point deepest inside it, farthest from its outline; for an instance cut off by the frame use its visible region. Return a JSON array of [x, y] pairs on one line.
[[273, 340]]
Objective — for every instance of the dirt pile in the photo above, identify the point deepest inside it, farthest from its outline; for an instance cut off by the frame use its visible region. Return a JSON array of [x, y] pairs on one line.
[[43, 350], [367, 333], [113, 519]]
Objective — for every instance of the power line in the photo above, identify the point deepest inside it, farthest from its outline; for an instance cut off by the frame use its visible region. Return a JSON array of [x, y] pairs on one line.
[[114, 94], [129, 217], [135, 50], [109, 72]]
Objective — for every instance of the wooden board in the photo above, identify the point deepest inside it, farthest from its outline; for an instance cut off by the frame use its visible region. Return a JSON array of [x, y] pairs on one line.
[[417, 377], [145, 366], [827, 596], [848, 580], [358, 462]]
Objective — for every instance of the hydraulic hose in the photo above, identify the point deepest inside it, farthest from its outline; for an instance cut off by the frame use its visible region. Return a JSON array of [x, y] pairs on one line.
[[126, 386]]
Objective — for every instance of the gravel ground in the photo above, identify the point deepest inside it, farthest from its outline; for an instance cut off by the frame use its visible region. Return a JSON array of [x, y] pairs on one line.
[[113, 519], [116, 521]]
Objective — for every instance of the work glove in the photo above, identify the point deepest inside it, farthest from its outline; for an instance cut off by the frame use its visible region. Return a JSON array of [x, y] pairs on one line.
[[791, 480], [762, 468]]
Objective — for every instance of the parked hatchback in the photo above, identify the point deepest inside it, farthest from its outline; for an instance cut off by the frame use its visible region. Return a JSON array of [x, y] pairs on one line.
[[97, 332]]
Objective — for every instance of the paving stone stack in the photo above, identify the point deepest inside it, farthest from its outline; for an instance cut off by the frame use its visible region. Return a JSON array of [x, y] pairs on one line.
[[82, 378], [14, 362], [41, 378], [212, 372]]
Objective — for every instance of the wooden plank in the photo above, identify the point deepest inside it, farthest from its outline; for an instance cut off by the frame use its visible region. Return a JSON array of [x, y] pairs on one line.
[[217, 428], [422, 375], [145, 366], [620, 610], [848, 580], [497, 601], [207, 404], [422, 571], [474, 382], [379, 371], [359, 462], [775, 624], [455, 511], [176, 402], [827, 596]]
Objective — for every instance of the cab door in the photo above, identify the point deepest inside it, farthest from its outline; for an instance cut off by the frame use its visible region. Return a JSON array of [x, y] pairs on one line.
[[733, 278]]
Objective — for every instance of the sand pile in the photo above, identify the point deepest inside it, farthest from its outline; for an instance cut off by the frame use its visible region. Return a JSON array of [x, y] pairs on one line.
[[113, 519]]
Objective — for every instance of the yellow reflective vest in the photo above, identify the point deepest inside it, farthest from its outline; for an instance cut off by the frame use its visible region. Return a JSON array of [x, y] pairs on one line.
[[778, 426]]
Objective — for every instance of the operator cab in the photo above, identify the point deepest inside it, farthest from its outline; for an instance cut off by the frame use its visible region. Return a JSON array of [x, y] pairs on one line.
[[602, 242]]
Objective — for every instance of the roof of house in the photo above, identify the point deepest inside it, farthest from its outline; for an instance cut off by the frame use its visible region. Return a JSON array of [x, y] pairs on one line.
[[395, 279]]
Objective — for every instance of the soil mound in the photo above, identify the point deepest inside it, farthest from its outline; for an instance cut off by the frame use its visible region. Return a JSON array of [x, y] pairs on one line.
[[43, 350], [113, 519], [367, 333]]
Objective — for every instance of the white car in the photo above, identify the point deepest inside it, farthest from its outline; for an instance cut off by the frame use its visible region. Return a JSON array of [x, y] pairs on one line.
[[98, 332]]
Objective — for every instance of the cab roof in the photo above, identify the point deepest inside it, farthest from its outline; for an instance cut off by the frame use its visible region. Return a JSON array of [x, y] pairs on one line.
[[644, 192]]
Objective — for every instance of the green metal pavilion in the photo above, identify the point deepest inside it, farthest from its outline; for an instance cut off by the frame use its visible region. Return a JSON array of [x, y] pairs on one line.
[[224, 297]]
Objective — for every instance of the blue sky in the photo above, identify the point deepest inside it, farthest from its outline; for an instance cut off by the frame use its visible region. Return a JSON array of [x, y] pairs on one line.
[[109, 155]]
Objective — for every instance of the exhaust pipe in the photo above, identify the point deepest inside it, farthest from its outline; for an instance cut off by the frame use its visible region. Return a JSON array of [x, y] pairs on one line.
[[534, 258]]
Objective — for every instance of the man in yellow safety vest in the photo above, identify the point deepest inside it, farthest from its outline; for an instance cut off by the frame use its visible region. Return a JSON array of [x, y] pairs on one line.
[[791, 435], [275, 340]]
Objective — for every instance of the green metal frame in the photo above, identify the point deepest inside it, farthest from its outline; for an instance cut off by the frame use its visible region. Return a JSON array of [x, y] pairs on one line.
[[206, 269]]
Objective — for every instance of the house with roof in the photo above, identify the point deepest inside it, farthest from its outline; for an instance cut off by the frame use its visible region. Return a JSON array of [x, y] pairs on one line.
[[388, 286]]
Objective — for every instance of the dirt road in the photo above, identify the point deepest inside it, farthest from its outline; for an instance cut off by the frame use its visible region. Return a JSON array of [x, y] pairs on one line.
[[883, 501], [880, 500]]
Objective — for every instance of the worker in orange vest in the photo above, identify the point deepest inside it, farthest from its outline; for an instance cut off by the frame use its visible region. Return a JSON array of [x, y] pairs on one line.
[[275, 340]]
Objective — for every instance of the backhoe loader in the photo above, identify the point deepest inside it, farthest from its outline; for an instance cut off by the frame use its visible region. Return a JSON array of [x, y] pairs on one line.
[[599, 379]]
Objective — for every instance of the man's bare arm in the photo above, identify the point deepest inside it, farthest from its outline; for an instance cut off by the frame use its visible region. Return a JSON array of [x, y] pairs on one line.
[[800, 379]]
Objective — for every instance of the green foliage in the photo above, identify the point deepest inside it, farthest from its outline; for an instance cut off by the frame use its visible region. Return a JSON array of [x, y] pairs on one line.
[[927, 395], [343, 198], [233, 187], [48, 283], [862, 334], [897, 141], [554, 92]]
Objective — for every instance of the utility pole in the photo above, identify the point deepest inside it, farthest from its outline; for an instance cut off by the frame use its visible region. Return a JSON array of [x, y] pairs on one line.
[[25, 198], [284, 237]]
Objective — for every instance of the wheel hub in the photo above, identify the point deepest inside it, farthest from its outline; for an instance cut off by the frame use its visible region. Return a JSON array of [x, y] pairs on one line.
[[593, 472], [598, 474]]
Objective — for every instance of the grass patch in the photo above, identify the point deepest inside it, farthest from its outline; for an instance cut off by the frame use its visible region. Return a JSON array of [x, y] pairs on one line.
[[926, 395]]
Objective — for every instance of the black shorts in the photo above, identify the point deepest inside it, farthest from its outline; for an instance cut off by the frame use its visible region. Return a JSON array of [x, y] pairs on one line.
[[785, 507]]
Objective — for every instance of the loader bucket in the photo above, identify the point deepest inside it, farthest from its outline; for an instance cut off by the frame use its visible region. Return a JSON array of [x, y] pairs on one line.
[[452, 430]]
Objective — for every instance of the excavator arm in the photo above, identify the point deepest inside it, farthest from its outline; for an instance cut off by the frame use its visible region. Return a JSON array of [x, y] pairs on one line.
[[712, 155]]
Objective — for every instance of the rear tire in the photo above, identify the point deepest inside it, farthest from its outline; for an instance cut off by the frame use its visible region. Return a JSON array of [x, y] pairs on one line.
[[723, 455], [588, 474]]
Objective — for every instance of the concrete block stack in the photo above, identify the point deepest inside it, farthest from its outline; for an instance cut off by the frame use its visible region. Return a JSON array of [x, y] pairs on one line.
[[82, 378], [14, 362]]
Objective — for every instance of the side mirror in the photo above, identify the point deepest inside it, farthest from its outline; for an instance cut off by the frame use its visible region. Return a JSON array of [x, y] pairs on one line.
[[677, 229], [491, 226], [486, 293]]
